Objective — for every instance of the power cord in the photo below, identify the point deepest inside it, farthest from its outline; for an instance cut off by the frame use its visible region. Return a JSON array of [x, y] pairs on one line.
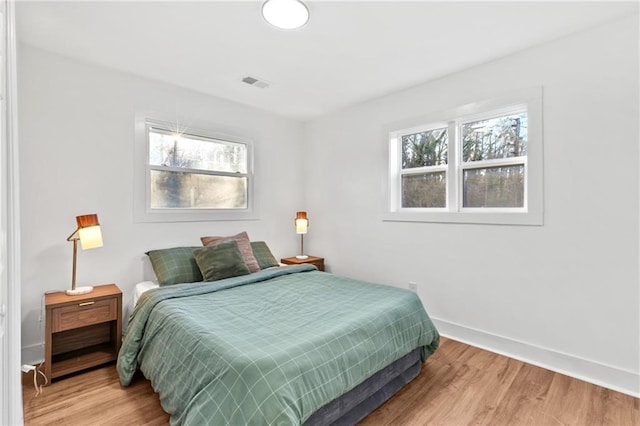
[[36, 369], [26, 368], [35, 379]]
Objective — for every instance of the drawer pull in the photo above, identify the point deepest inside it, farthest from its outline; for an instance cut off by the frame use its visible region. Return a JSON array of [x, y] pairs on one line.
[[86, 303]]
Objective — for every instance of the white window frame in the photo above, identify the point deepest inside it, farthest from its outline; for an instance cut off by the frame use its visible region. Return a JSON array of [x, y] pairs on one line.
[[143, 212], [532, 211]]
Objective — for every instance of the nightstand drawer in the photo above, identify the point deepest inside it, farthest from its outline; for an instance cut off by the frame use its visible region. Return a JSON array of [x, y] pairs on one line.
[[83, 313]]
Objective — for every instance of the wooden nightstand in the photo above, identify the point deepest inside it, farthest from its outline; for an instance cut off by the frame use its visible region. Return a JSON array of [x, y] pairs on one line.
[[317, 261], [82, 331]]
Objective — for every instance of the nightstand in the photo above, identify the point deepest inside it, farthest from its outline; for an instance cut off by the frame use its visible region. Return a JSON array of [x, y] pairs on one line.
[[82, 331], [317, 261]]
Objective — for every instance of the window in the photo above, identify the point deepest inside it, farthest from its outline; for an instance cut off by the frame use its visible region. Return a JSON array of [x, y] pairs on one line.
[[191, 175], [479, 163]]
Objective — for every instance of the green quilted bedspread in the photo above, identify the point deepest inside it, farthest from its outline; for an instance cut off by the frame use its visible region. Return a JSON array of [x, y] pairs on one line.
[[270, 347]]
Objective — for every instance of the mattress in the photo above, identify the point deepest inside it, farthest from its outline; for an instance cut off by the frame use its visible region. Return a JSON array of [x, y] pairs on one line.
[[140, 288]]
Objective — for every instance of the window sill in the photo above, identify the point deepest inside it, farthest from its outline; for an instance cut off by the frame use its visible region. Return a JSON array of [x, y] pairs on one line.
[[481, 218], [188, 215]]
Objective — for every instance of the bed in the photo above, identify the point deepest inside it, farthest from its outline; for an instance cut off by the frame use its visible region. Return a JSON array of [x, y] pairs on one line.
[[281, 346]]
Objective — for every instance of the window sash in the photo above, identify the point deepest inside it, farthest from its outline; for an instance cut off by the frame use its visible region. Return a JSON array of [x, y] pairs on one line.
[[487, 164], [165, 132], [496, 164], [416, 200], [418, 130], [197, 191]]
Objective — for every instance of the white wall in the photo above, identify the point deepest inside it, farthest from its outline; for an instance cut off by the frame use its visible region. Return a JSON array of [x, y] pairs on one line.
[[564, 295], [76, 146]]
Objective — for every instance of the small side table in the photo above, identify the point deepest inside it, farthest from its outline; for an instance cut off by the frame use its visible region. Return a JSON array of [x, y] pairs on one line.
[[318, 262], [82, 331]]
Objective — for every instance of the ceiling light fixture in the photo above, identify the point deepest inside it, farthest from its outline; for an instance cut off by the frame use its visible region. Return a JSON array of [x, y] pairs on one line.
[[285, 14]]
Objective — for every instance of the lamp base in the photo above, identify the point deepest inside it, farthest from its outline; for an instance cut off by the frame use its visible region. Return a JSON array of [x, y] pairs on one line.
[[80, 290], [302, 256]]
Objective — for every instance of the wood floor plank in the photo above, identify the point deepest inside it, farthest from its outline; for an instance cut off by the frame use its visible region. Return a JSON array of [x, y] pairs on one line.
[[459, 385], [524, 401]]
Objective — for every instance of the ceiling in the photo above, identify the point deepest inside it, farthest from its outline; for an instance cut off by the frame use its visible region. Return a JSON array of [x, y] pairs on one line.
[[349, 51]]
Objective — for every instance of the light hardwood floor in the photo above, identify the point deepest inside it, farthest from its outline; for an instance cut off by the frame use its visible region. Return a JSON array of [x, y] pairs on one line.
[[459, 385]]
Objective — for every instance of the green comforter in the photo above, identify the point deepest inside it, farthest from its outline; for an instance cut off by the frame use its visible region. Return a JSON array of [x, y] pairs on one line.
[[270, 347]]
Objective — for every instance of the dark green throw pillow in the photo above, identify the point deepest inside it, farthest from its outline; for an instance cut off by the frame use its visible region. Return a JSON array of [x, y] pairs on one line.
[[263, 255], [175, 265], [222, 260]]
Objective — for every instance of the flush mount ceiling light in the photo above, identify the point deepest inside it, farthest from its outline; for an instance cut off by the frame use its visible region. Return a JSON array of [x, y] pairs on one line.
[[285, 14]]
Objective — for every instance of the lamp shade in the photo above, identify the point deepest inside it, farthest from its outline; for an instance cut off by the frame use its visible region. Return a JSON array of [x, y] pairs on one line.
[[302, 222], [89, 231]]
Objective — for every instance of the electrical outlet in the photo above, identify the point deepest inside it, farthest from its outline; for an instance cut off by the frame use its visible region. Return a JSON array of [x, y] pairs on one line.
[[413, 286], [27, 368]]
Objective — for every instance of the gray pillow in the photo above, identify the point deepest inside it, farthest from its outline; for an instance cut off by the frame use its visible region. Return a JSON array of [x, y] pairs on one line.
[[263, 255], [219, 261], [244, 246], [175, 265]]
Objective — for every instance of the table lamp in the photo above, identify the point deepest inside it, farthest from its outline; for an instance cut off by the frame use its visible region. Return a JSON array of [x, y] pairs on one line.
[[302, 223], [90, 236]]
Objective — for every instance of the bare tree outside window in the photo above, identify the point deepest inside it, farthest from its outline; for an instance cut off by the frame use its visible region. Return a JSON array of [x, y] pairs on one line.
[[425, 187], [494, 187], [494, 139], [426, 190], [502, 137], [425, 149]]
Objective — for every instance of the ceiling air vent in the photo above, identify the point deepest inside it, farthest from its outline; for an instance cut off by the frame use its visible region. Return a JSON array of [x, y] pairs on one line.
[[255, 82]]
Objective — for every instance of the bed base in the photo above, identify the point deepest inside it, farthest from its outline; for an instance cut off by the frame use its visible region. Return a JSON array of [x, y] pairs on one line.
[[360, 401]]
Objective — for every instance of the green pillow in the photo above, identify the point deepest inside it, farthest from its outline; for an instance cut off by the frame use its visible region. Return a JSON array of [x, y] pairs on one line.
[[263, 255], [175, 265], [222, 260]]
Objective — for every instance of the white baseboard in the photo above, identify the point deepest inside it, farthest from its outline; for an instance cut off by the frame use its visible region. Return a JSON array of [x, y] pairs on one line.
[[33, 354], [627, 382]]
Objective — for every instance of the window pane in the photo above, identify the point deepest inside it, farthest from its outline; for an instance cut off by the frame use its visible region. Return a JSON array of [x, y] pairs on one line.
[[501, 137], [494, 187], [190, 190], [424, 190], [424, 149], [189, 152]]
